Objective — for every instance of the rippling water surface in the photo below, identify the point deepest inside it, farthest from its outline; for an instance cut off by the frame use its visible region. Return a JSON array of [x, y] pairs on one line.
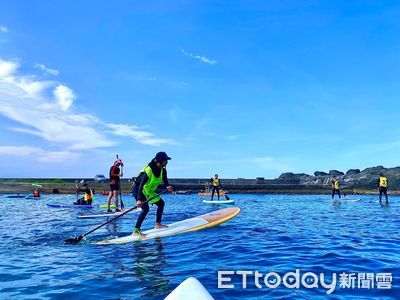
[[273, 233]]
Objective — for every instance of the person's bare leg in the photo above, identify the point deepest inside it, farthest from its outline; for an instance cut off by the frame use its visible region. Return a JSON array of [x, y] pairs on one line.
[[116, 199], [109, 200]]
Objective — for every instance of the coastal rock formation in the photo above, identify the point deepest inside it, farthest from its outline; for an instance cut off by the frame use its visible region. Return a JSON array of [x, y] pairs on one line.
[[354, 178], [353, 171], [320, 173], [335, 173], [291, 176]]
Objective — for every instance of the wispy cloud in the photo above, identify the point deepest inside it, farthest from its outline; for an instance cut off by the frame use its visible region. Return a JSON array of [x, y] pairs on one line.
[[270, 163], [199, 57], [26, 100], [39, 154], [143, 78], [232, 137], [373, 149], [265, 163], [137, 134], [47, 70], [199, 125], [3, 28], [173, 115]]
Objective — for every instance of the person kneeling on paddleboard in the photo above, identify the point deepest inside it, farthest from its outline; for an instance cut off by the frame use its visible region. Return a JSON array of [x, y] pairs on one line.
[[146, 184], [88, 195], [36, 193]]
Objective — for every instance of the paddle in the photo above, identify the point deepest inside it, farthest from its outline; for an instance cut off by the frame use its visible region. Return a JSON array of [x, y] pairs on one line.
[[76, 192], [120, 183], [77, 239]]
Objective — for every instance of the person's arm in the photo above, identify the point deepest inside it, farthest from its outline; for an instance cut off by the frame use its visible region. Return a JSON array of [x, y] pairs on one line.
[[143, 178], [166, 183]]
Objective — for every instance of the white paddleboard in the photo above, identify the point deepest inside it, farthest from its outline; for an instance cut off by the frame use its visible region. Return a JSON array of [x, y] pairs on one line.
[[341, 200], [190, 289], [113, 214], [204, 221], [219, 201]]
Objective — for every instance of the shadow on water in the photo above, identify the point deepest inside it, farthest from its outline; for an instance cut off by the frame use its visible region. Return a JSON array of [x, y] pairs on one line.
[[142, 265]]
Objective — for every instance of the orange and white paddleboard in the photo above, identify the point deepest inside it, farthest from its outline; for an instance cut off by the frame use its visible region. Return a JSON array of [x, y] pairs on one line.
[[193, 224]]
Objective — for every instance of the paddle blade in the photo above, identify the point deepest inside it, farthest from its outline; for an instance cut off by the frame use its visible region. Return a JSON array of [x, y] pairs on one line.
[[74, 240], [227, 198]]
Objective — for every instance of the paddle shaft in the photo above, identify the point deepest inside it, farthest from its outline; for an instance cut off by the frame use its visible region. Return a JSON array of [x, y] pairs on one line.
[[109, 221], [113, 219], [120, 183]]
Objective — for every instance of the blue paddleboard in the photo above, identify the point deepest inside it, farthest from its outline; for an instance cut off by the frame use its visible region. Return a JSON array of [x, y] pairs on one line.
[[56, 205]]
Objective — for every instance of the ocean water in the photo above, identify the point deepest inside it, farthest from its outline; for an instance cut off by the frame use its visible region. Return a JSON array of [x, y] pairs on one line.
[[273, 233]]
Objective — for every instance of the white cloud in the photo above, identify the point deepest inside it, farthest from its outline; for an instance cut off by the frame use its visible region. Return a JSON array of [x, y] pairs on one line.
[[232, 137], [26, 100], [18, 151], [38, 154], [3, 28], [47, 70], [270, 163], [199, 57], [141, 136], [173, 115], [144, 78], [64, 96], [265, 163], [7, 68]]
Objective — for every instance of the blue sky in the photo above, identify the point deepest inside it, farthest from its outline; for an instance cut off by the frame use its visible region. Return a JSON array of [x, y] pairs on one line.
[[241, 88]]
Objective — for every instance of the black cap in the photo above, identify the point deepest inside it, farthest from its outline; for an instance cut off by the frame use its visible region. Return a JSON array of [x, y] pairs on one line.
[[161, 156]]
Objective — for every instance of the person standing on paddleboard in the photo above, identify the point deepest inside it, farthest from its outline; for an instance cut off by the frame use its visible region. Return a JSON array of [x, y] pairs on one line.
[[146, 184], [383, 183], [216, 184], [335, 187], [115, 176]]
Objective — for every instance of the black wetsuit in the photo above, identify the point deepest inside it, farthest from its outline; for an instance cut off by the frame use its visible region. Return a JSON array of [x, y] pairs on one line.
[[215, 188], [383, 190], [334, 189]]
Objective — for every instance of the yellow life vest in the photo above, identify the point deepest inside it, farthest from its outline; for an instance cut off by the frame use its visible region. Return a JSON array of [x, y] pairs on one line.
[[88, 197], [215, 182], [383, 181], [149, 189], [335, 184]]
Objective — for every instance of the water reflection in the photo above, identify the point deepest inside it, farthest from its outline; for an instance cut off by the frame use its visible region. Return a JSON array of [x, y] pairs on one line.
[[149, 264]]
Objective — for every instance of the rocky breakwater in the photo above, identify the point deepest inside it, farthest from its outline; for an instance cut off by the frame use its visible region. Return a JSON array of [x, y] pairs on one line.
[[353, 179]]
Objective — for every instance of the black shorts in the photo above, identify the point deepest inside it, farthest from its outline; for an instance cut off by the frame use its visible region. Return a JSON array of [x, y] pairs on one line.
[[114, 187]]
